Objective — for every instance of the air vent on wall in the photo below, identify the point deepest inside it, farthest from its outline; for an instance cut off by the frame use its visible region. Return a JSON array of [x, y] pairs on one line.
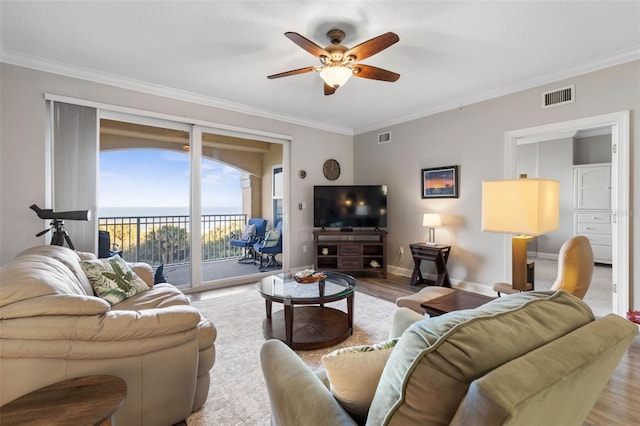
[[384, 137], [560, 96]]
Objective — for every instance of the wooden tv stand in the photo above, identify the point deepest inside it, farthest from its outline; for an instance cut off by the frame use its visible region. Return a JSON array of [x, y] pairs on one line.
[[350, 251]]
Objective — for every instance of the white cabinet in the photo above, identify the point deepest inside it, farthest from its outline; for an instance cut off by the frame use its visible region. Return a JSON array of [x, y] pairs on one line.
[[595, 225], [592, 185], [592, 204]]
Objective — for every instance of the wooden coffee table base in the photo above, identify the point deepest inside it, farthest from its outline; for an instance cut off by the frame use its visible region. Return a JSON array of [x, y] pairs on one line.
[[313, 327]]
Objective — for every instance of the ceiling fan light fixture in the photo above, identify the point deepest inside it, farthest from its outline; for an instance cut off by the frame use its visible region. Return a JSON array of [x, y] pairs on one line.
[[339, 62], [335, 76]]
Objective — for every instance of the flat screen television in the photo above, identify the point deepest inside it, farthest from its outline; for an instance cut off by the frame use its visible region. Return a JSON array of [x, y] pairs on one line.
[[350, 206]]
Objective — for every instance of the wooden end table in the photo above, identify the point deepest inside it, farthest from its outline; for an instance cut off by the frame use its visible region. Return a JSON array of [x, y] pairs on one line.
[[455, 301], [439, 254], [89, 400]]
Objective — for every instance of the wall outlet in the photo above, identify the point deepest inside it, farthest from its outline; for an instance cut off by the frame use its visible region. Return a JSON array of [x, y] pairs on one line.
[[401, 250], [304, 248]]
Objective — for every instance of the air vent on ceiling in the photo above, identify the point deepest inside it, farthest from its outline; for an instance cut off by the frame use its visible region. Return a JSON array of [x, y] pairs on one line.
[[384, 137], [560, 96]]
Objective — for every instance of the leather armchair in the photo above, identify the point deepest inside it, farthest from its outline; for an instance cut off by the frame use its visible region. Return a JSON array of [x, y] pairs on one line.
[[575, 269], [53, 327]]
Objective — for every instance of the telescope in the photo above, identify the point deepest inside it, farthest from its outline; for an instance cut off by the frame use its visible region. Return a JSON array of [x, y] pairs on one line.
[[70, 215], [57, 223]]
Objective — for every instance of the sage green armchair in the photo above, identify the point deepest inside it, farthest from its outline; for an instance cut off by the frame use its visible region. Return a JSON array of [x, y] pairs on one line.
[[535, 358]]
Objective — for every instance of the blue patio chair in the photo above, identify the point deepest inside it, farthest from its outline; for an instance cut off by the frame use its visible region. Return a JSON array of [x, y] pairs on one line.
[[253, 232], [104, 245], [270, 246]]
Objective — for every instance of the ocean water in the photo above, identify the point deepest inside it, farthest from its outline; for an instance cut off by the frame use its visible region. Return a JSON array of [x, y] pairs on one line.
[[162, 211]]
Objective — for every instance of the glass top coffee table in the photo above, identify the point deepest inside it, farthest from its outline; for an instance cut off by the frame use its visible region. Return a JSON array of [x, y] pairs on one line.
[[305, 322]]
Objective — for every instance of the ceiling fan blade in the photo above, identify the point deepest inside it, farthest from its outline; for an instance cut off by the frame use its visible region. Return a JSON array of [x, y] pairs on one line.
[[373, 46], [328, 90], [307, 44], [292, 72], [367, 71]]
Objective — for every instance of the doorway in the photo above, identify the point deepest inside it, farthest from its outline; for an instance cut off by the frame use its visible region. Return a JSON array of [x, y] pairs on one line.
[[620, 184]]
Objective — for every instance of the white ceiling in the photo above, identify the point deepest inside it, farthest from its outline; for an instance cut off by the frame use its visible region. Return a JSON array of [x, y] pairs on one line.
[[450, 53]]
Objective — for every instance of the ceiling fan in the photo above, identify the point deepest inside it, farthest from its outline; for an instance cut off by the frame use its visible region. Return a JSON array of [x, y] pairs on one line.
[[340, 62]]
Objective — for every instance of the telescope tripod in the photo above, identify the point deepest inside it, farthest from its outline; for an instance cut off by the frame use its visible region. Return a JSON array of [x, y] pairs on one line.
[[59, 234]]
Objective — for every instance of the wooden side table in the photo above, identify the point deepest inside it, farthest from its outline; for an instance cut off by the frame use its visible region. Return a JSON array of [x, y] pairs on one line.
[[439, 254], [89, 400], [455, 301]]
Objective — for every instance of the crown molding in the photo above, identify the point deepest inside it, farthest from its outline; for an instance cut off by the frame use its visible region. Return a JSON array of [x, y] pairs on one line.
[[40, 64], [597, 131], [54, 67], [547, 137], [618, 58]]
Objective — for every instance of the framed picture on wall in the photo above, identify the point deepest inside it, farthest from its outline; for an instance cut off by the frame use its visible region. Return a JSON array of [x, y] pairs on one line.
[[440, 182]]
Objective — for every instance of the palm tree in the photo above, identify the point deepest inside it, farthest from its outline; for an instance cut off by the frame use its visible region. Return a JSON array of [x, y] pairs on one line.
[[169, 244]]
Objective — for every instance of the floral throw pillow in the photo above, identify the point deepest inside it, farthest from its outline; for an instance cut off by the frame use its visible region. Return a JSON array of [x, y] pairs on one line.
[[112, 279]]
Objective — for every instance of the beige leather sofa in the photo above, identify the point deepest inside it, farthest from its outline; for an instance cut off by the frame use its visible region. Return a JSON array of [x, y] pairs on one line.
[[52, 328], [534, 358]]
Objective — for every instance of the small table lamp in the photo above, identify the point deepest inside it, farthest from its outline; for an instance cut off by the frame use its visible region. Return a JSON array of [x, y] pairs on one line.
[[529, 207], [431, 220]]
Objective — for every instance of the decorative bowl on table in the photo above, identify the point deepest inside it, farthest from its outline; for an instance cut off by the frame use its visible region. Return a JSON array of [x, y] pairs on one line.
[[308, 277]]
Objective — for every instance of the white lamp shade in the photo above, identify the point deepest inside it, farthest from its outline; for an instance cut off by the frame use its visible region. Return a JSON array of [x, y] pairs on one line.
[[521, 206], [431, 219], [335, 76]]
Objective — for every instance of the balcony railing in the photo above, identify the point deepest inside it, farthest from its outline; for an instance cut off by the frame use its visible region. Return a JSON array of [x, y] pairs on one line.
[[166, 239]]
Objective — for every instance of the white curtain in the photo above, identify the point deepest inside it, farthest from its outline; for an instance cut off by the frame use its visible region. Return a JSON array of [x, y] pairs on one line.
[[75, 164]]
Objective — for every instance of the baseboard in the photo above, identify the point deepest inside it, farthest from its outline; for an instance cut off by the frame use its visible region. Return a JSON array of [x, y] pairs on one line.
[[462, 285], [547, 256], [396, 270]]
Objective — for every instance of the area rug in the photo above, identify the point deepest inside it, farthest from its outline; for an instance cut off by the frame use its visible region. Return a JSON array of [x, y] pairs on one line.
[[238, 395]]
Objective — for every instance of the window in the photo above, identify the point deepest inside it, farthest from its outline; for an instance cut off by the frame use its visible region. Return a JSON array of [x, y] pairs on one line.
[[211, 160], [277, 195]]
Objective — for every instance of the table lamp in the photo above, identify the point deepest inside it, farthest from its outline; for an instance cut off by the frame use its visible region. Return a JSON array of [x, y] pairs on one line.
[[527, 207], [431, 220]]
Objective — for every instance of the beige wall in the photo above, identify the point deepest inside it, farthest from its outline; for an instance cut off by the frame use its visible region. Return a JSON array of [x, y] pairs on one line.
[[551, 160], [22, 151], [474, 138], [270, 159]]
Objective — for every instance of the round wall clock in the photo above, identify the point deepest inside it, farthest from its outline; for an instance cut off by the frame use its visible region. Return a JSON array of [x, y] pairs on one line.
[[331, 169]]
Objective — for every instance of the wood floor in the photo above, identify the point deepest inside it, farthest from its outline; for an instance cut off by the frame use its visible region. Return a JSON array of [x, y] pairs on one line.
[[619, 404]]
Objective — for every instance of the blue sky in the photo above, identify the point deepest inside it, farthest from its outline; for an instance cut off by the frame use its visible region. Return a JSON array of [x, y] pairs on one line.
[[159, 178]]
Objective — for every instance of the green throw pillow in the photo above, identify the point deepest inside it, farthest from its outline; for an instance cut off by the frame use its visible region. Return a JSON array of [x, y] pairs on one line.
[[354, 373], [112, 279]]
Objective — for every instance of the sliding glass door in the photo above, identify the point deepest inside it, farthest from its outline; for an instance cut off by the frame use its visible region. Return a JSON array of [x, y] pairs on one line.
[[165, 192], [144, 194], [232, 170]]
